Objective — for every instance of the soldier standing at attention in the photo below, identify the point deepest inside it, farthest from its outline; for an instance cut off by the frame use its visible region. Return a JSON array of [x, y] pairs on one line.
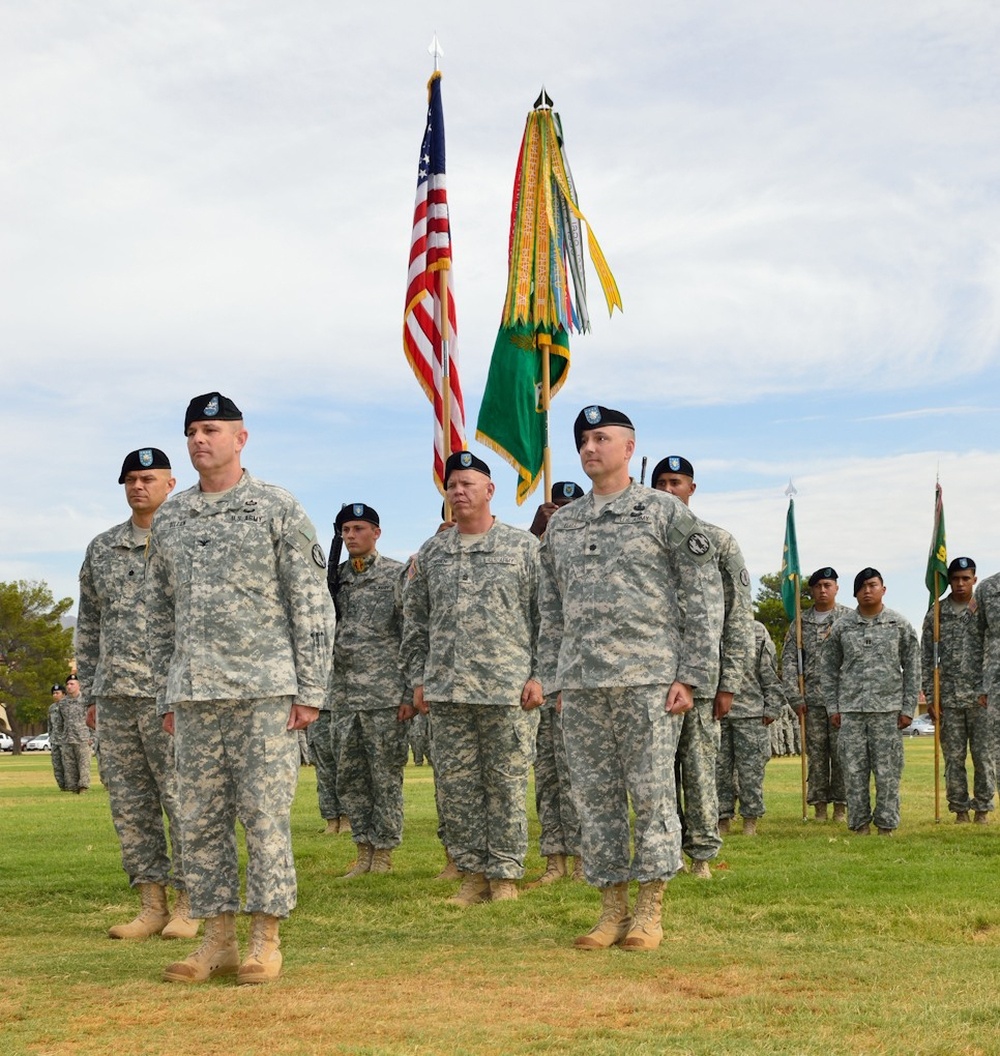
[[560, 824], [871, 682], [138, 753], [746, 742], [699, 744], [240, 625], [55, 727], [75, 737], [632, 609], [367, 690], [987, 606], [965, 725], [825, 780], [470, 631]]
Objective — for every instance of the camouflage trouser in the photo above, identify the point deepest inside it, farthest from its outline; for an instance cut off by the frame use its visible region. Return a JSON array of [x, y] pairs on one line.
[[744, 749], [791, 723], [418, 740], [696, 755], [621, 744], [76, 766], [482, 755], [825, 783], [437, 784], [58, 770], [142, 786], [870, 743], [321, 738], [370, 774], [993, 739], [553, 796], [967, 729], [236, 761]]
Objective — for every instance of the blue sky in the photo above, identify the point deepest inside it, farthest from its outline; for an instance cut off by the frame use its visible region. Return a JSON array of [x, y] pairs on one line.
[[800, 203]]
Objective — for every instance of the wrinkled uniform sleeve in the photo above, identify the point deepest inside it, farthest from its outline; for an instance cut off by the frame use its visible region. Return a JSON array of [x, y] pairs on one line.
[[87, 636], [830, 664], [159, 601], [927, 655], [738, 642], [702, 604], [550, 631], [416, 623], [909, 649], [767, 675]]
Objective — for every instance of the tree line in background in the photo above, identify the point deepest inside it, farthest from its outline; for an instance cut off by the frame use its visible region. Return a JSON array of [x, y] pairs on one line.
[[35, 650]]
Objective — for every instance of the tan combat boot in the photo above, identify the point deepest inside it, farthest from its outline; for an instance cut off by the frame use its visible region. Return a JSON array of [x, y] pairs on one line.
[[820, 811], [181, 924], [840, 812], [475, 888], [646, 932], [332, 827], [381, 860], [578, 873], [152, 918], [344, 824], [863, 830], [263, 959], [503, 891], [450, 871], [962, 817], [723, 826], [700, 869], [982, 817], [749, 826], [363, 862], [218, 954], [555, 869], [885, 832], [614, 922]]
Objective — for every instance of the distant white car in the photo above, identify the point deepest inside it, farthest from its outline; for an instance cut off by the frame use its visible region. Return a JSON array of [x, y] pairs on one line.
[[922, 726], [6, 742], [39, 744]]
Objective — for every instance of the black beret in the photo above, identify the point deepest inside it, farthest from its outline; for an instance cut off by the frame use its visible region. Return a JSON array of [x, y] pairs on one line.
[[144, 458], [863, 576], [464, 460], [960, 564], [672, 464], [356, 511], [72, 677], [823, 573], [214, 406], [568, 490], [58, 689], [594, 417]]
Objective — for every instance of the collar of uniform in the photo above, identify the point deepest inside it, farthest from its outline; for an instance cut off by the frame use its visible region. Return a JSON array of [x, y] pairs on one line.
[[487, 542], [125, 539], [233, 497], [360, 565], [622, 504]]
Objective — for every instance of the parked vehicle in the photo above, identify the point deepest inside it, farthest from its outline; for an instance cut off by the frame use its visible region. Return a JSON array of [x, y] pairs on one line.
[[39, 744], [922, 726], [6, 742]]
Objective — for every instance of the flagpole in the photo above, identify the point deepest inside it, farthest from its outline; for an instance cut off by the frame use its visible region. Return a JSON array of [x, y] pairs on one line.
[[799, 659], [937, 699], [542, 342], [445, 375]]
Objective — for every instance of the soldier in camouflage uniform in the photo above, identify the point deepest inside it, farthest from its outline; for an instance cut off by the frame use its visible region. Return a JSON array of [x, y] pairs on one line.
[[560, 825], [469, 636], [114, 670], [699, 744], [55, 728], [745, 741], [240, 626], [367, 690], [632, 611], [987, 606], [825, 781], [75, 738], [965, 724], [871, 682]]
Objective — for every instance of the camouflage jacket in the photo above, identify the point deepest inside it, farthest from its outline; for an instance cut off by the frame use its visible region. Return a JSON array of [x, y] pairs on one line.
[[737, 644], [960, 654], [55, 722], [815, 634], [73, 712], [872, 665], [470, 617], [366, 670], [988, 618], [237, 604], [111, 625], [629, 596], [761, 695]]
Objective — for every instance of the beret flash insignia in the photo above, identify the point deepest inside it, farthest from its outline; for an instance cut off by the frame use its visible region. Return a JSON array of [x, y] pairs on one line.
[[466, 459], [593, 415], [212, 407], [359, 509], [673, 463], [146, 457]]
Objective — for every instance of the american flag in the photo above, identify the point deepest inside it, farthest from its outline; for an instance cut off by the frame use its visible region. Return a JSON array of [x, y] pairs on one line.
[[429, 339]]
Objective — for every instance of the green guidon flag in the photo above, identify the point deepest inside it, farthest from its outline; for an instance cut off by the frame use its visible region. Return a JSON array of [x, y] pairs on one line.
[[790, 573], [511, 420], [937, 559]]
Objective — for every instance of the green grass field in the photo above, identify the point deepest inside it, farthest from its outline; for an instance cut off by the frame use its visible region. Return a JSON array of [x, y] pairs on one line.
[[807, 940]]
